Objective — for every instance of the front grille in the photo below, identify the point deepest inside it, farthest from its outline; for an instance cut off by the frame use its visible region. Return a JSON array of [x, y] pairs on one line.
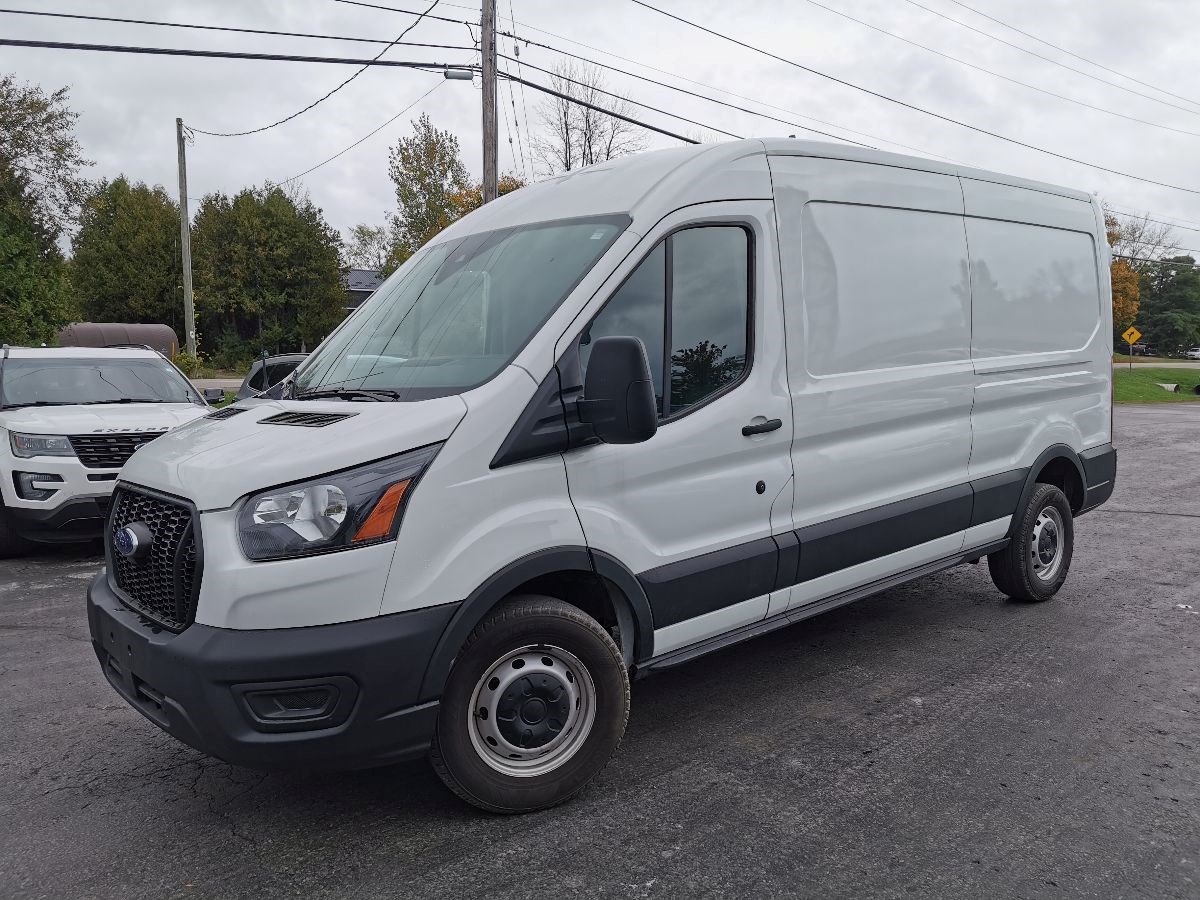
[[109, 451], [163, 583]]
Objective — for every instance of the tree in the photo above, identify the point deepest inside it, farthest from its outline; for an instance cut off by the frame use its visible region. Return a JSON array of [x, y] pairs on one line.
[[268, 273], [427, 172], [1125, 295], [1170, 304], [433, 190], [368, 247], [34, 295], [1138, 240], [576, 136], [37, 140], [124, 256]]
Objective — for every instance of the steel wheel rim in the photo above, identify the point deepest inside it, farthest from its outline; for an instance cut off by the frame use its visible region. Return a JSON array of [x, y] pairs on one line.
[[506, 730], [1047, 544]]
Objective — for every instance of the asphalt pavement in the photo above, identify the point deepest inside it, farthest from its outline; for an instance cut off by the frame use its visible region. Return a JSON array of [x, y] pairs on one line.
[[934, 741]]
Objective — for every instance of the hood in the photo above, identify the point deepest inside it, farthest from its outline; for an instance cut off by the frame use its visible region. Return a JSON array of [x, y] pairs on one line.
[[214, 462], [105, 418]]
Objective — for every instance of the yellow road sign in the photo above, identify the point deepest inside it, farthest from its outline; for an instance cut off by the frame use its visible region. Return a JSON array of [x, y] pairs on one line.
[[1131, 335]]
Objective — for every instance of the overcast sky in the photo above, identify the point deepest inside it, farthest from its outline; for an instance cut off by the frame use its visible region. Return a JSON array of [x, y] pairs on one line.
[[128, 104]]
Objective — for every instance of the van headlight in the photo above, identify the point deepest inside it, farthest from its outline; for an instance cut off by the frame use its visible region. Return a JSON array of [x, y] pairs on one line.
[[354, 508], [27, 446]]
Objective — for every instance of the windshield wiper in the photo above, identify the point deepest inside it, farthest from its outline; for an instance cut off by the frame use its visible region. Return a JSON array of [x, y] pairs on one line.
[[37, 403], [377, 394], [87, 402]]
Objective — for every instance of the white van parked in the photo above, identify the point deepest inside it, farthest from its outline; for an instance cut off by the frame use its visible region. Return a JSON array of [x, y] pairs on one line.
[[71, 417], [604, 425]]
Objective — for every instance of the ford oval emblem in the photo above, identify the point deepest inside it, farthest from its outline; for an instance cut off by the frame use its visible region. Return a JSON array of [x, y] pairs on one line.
[[133, 541], [126, 541]]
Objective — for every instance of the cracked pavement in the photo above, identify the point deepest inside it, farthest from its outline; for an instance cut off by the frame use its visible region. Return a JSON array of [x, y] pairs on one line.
[[934, 741]]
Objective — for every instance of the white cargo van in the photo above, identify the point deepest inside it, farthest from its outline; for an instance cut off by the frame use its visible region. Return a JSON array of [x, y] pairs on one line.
[[70, 417], [604, 425]]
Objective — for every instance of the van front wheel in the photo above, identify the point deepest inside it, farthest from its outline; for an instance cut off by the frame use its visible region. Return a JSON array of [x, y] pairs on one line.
[[1035, 563], [533, 709]]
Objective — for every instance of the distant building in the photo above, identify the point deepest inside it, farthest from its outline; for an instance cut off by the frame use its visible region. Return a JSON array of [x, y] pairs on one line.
[[360, 284]]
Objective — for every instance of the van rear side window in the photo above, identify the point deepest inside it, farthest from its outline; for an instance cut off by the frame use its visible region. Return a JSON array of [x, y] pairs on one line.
[[1035, 288], [883, 288]]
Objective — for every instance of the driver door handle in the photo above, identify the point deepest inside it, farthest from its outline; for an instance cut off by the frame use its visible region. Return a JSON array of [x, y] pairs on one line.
[[761, 427]]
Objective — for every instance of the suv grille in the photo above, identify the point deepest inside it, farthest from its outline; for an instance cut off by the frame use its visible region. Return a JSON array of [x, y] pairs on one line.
[[163, 583], [109, 451]]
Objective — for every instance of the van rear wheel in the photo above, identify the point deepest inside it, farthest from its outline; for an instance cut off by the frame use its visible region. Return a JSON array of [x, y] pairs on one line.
[[1035, 563], [533, 709]]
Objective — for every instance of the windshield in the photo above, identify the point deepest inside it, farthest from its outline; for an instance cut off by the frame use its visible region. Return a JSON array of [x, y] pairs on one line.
[[458, 312], [69, 382]]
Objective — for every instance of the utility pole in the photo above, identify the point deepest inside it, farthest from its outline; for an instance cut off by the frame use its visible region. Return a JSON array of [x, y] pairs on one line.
[[488, 49], [185, 245]]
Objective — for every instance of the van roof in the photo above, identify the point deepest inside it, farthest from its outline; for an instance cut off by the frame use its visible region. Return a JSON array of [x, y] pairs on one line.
[[667, 179], [82, 353]]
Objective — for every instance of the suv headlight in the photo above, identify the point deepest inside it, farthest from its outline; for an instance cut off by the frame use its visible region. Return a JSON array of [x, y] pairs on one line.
[[354, 508], [29, 445]]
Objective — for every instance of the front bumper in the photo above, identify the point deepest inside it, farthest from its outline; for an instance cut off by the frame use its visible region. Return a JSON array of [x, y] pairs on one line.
[[197, 684], [78, 519]]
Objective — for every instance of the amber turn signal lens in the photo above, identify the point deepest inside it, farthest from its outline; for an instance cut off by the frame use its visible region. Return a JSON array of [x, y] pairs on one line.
[[379, 522]]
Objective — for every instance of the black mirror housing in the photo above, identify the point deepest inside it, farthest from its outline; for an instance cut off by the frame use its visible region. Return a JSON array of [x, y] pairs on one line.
[[213, 395], [618, 392]]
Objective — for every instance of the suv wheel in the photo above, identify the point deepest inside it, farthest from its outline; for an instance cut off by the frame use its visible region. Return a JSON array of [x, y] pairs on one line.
[[1035, 563], [533, 709]]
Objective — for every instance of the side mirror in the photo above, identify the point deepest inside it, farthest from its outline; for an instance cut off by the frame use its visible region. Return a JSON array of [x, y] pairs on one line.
[[213, 395], [618, 392]]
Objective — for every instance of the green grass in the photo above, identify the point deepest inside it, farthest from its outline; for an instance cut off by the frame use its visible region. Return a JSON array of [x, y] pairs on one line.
[[1141, 360], [1141, 385]]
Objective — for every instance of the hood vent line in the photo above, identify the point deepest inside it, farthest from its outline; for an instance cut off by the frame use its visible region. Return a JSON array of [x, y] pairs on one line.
[[305, 419], [227, 413]]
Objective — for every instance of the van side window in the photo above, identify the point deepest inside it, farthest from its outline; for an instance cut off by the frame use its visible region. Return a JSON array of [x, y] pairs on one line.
[[689, 302], [637, 309], [710, 293]]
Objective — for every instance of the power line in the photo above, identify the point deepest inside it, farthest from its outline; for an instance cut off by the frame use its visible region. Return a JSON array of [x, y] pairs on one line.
[[598, 90], [1048, 59], [593, 88], [411, 12], [1135, 215], [231, 54], [607, 112], [524, 104], [229, 28], [912, 106], [1092, 62], [369, 134], [326, 96], [283, 57], [529, 42], [1161, 262], [1024, 84]]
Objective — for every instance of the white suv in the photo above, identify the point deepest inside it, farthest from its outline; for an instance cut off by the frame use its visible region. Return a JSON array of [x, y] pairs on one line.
[[72, 416], [1194, 353]]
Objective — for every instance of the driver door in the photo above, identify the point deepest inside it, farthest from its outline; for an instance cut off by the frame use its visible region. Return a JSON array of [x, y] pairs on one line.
[[692, 511]]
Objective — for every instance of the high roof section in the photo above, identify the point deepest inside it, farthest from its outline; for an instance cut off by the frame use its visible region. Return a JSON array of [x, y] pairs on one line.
[[645, 185]]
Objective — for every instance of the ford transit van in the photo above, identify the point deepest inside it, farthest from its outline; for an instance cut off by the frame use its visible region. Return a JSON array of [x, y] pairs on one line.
[[604, 425]]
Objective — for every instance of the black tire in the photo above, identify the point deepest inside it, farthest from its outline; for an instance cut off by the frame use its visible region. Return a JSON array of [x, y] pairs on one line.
[[536, 622], [1015, 570], [11, 543]]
